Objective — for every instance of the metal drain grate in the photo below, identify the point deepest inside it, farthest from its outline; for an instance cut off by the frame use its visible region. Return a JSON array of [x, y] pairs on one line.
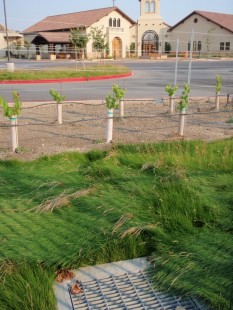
[[126, 292]]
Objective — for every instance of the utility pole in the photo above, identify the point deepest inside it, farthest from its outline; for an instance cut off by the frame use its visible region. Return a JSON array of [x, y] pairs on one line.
[[10, 66], [7, 38]]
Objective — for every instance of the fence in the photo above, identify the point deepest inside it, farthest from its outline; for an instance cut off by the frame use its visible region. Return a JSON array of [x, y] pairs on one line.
[[84, 125]]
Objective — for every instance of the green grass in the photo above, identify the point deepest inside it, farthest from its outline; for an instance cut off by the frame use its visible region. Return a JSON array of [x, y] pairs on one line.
[[56, 73], [170, 201]]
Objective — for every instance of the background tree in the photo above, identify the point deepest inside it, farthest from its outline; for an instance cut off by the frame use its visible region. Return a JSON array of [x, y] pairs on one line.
[[18, 45], [28, 45], [79, 41], [99, 39]]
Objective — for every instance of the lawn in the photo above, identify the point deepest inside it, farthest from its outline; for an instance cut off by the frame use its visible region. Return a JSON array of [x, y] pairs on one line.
[[169, 201], [56, 73]]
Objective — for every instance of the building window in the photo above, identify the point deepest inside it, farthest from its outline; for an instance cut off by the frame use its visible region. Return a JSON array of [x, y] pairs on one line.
[[228, 46], [222, 46], [194, 46], [195, 20], [147, 7], [110, 22], [114, 22], [152, 7], [189, 46], [199, 46], [118, 22]]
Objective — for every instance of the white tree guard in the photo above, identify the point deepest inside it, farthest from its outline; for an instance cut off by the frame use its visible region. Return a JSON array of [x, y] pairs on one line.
[[14, 132], [217, 100], [59, 113], [182, 122], [172, 104], [122, 108], [109, 125]]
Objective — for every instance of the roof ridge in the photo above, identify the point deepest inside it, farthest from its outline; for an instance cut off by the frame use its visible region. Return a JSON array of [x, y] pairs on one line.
[[71, 13]]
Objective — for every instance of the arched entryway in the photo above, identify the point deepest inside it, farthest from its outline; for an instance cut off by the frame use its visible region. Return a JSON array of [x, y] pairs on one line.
[[117, 47], [150, 42]]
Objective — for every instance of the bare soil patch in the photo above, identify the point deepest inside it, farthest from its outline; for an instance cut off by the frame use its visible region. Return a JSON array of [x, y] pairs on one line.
[[84, 126]]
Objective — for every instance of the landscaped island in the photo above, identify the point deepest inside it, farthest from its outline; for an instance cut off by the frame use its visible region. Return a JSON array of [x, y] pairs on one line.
[[59, 73]]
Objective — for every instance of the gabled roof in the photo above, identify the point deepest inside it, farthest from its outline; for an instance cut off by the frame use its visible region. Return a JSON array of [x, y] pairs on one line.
[[73, 20], [222, 20]]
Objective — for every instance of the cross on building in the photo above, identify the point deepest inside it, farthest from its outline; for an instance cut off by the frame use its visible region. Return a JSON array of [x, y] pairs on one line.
[[113, 2]]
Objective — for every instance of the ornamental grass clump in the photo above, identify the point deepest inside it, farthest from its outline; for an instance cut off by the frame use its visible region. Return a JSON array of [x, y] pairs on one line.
[[113, 101]]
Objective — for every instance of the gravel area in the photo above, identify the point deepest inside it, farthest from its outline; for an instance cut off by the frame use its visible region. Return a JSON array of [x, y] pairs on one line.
[[84, 126]]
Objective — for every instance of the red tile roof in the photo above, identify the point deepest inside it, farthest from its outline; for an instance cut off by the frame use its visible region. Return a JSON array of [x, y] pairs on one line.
[[73, 20], [222, 20]]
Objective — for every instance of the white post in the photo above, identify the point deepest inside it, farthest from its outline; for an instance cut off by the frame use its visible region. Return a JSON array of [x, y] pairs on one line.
[[177, 59], [182, 122], [122, 108], [59, 113], [172, 104], [190, 57], [217, 100], [14, 132], [109, 125]]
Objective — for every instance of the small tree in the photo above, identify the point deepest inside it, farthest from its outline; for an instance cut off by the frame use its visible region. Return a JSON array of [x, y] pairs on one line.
[[184, 99], [171, 92], [59, 100], [168, 47], [79, 41], [218, 88], [12, 112], [28, 45], [218, 83], [183, 104], [98, 38], [18, 45], [112, 102]]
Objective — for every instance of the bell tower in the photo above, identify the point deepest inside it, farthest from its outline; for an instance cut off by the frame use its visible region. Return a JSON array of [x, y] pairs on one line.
[[149, 7], [150, 29]]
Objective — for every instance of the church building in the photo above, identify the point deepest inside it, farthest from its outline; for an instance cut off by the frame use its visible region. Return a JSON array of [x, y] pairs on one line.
[[149, 37], [121, 32]]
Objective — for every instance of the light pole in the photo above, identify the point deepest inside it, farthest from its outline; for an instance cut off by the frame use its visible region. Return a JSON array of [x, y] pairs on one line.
[[9, 65]]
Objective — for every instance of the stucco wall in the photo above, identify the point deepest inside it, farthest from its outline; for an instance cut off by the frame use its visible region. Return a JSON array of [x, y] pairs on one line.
[[123, 33], [208, 33]]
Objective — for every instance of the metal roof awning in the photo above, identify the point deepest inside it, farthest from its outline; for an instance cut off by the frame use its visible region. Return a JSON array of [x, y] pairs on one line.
[[51, 38]]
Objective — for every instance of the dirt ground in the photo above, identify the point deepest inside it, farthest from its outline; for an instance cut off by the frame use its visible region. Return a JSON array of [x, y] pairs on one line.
[[84, 126]]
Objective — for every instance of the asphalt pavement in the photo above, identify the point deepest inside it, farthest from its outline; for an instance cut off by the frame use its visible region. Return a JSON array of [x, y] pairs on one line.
[[148, 81]]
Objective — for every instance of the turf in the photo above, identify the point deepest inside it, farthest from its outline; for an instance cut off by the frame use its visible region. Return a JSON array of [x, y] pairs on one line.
[[58, 73], [169, 201]]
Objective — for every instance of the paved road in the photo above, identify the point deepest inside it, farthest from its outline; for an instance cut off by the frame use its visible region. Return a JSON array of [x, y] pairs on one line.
[[148, 81]]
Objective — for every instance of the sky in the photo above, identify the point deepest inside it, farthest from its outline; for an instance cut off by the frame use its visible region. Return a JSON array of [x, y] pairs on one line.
[[21, 14]]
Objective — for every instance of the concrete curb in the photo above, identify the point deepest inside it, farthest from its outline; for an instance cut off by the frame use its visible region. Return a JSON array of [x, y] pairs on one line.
[[67, 80]]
